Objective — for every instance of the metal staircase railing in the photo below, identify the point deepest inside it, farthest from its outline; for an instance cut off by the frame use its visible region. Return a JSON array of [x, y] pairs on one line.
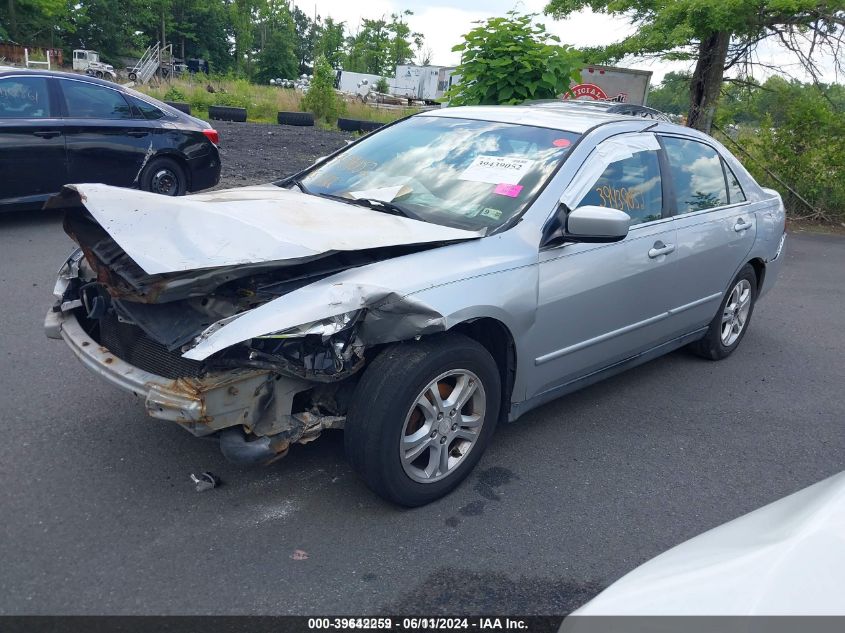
[[147, 65]]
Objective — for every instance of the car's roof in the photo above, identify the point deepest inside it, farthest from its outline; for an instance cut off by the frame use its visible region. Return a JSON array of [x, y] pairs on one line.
[[572, 116], [6, 71], [169, 110], [571, 119]]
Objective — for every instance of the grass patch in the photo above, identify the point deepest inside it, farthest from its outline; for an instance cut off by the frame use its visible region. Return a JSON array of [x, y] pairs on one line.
[[262, 103]]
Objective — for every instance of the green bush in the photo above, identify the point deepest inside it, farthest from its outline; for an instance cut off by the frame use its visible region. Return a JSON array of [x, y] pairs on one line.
[[174, 94], [382, 85], [321, 99], [801, 139], [511, 59]]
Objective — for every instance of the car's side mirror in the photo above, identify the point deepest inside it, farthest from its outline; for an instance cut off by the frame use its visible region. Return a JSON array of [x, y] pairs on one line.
[[586, 224]]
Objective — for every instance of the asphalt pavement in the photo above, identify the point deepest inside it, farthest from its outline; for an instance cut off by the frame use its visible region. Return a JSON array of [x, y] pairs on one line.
[[98, 514]]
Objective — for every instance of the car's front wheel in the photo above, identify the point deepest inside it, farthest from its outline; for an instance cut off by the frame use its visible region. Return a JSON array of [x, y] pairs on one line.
[[422, 415], [731, 322]]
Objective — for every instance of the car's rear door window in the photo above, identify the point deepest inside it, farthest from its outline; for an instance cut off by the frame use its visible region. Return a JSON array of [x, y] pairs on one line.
[[632, 185], [24, 98], [735, 192], [697, 175], [145, 110], [90, 101]]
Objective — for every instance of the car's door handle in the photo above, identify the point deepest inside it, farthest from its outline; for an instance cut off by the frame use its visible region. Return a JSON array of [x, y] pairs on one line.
[[660, 248], [47, 133], [138, 134], [741, 225]]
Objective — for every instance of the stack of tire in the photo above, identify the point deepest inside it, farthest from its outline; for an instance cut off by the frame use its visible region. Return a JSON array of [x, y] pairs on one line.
[[227, 113], [182, 107], [302, 119], [357, 125]]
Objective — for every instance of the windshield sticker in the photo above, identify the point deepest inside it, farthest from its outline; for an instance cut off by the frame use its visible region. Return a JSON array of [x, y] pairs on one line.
[[494, 214], [497, 170], [383, 193], [504, 189], [561, 142]]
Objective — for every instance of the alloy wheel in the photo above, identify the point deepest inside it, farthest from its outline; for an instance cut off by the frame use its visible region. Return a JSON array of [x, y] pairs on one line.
[[443, 425], [736, 312]]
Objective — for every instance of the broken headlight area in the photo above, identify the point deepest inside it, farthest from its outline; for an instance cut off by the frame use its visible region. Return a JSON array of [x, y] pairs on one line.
[[325, 350]]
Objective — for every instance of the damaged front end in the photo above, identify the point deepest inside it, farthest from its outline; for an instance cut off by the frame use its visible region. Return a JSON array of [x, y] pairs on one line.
[[168, 337]]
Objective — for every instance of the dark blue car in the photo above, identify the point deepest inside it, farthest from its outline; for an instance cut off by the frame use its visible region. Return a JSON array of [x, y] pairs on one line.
[[58, 128]]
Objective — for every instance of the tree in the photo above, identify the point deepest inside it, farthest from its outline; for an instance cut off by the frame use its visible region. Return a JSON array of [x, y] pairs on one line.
[[277, 55], [672, 94], [321, 99], [307, 34], [244, 34], [402, 42], [33, 22], [330, 43], [718, 35], [369, 48], [798, 133], [380, 45], [511, 59]]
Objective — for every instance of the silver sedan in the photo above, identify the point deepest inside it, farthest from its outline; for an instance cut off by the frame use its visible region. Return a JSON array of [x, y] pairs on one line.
[[433, 279]]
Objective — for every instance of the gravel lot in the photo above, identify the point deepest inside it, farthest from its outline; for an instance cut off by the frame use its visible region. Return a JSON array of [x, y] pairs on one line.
[[99, 515], [255, 153]]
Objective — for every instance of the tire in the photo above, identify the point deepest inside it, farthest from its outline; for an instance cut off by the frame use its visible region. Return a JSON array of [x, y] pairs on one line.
[[182, 107], [724, 336], [164, 176], [132, 76], [226, 113], [357, 125], [384, 411], [304, 119]]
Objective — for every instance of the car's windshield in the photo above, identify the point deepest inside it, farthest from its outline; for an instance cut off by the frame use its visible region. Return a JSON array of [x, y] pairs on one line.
[[457, 172]]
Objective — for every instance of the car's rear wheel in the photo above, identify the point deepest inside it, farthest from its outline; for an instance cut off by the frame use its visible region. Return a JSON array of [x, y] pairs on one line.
[[422, 415], [730, 324], [164, 176]]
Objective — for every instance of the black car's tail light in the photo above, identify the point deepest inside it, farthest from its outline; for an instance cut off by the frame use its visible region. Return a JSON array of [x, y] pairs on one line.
[[212, 136]]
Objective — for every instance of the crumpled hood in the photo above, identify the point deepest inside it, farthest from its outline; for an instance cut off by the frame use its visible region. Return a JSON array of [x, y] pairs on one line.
[[248, 225]]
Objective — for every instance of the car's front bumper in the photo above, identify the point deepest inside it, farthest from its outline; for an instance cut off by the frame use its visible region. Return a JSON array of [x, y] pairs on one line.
[[201, 405]]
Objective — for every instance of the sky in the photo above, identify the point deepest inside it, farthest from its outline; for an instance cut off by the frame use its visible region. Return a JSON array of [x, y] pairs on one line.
[[443, 24]]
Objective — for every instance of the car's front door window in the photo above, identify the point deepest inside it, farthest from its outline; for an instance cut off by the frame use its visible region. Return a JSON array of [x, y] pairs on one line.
[[631, 185]]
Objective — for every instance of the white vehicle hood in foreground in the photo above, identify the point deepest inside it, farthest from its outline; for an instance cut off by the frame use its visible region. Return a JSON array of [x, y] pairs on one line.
[[787, 558], [248, 225]]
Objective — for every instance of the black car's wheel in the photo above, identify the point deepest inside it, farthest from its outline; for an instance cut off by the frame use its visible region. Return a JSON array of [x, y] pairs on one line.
[[422, 415], [164, 176], [295, 118], [226, 113], [730, 324]]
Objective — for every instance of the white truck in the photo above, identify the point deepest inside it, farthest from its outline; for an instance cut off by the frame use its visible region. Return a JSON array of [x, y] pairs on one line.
[[608, 83], [421, 83], [88, 61]]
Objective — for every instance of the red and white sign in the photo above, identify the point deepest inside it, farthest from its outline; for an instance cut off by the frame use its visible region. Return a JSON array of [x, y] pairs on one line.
[[586, 91]]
